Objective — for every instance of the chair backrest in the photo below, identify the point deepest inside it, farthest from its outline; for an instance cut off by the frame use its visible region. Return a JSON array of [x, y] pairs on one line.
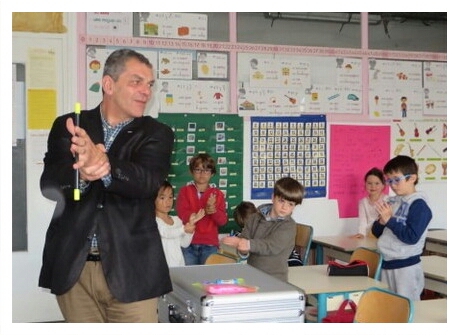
[[377, 305], [373, 258], [303, 241], [219, 259]]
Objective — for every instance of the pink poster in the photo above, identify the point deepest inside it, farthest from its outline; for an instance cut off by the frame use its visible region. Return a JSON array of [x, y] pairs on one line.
[[353, 151]]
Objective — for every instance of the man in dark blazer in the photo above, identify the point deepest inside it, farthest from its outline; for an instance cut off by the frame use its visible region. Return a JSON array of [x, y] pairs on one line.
[[103, 257]]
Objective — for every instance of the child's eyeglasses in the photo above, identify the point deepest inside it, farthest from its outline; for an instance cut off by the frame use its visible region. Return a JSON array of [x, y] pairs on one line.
[[396, 180], [205, 171]]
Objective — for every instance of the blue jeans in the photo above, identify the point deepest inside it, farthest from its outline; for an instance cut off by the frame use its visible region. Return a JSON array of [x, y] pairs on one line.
[[196, 254]]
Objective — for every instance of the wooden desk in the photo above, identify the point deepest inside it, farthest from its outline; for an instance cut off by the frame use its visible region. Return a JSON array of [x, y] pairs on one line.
[[430, 311], [436, 241], [435, 273], [340, 247], [313, 280]]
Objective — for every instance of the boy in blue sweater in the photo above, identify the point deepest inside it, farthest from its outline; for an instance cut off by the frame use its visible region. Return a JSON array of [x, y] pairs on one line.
[[401, 229]]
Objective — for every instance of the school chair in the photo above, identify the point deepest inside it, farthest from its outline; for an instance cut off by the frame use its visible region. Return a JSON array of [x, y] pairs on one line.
[[373, 258], [377, 305], [218, 258], [303, 241]]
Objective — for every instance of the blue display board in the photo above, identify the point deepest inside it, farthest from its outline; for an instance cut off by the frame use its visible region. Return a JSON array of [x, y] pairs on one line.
[[288, 146]]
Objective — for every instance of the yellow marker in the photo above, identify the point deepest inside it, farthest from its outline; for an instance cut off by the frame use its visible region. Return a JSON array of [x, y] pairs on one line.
[[76, 191], [77, 108]]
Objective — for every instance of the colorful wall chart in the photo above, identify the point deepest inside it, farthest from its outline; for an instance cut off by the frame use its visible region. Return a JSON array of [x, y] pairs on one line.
[[288, 146], [425, 142]]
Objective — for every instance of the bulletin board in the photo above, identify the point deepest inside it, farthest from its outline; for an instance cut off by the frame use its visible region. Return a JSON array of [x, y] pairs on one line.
[[219, 135], [288, 146], [353, 151]]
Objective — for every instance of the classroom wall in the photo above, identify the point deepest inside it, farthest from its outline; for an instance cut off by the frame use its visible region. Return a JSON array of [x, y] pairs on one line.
[[30, 303], [323, 213]]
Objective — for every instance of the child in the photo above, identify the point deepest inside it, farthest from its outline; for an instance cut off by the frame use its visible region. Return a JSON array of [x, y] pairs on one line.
[[174, 234], [268, 237], [374, 185], [242, 212], [401, 229], [200, 194]]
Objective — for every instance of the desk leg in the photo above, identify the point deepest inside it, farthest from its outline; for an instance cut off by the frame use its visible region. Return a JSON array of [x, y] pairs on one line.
[[321, 307], [319, 254]]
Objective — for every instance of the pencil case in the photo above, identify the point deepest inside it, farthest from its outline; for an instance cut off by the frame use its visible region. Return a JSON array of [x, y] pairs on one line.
[[354, 268]]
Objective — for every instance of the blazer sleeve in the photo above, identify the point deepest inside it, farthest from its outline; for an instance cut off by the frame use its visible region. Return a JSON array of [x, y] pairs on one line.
[[57, 178], [140, 160]]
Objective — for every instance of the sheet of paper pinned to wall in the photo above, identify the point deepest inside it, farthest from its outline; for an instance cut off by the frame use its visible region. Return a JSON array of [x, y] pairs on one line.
[[191, 26], [42, 88], [109, 23], [353, 151]]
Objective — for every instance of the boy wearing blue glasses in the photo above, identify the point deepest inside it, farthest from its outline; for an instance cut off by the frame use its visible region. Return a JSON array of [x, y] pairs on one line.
[[401, 229]]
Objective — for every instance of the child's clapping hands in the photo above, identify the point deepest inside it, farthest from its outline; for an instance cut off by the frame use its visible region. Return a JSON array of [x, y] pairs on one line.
[[210, 206], [385, 211], [194, 218]]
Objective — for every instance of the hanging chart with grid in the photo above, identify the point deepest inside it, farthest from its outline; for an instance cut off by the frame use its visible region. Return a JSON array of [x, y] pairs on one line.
[[288, 146]]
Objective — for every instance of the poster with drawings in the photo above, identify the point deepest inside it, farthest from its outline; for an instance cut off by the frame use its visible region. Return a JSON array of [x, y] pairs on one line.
[[435, 83], [333, 99], [182, 88], [424, 141], [406, 89], [279, 72], [193, 96], [175, 64], [191, 26], [294, 85], [395, 103], [348, 72], [212, 65], [177, 88]]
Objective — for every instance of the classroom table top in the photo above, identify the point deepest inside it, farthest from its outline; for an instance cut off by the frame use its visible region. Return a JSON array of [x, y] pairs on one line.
[[434, 267], [438, 236], [430, 311], [346, 243], [313, 279]]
